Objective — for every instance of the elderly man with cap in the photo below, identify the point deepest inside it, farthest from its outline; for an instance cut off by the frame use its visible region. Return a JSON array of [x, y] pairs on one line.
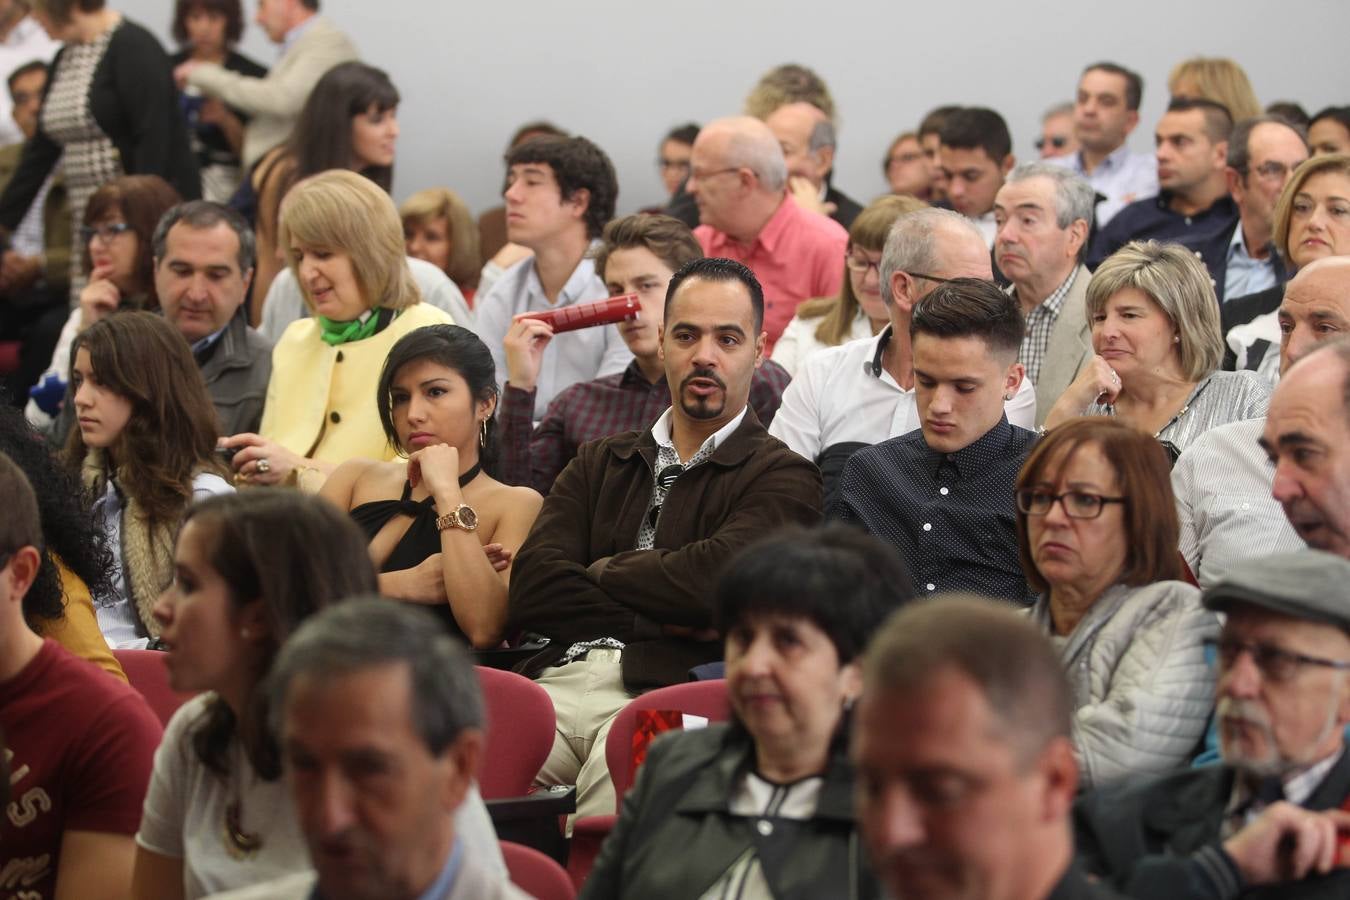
[[1270, 820]]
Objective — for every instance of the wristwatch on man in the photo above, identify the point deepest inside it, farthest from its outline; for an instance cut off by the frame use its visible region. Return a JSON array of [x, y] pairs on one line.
[[462, 517]]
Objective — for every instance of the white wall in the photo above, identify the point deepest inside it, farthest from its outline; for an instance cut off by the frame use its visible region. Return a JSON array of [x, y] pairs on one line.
[[622, 72]]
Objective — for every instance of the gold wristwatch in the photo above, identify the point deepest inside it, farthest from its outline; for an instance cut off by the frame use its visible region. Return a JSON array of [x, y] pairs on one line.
[[462, 517]]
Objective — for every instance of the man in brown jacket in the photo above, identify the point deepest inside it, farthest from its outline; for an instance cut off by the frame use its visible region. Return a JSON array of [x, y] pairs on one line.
[[618, 572]]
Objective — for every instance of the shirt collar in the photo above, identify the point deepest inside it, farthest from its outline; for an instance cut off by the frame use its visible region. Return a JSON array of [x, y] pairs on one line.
[[1298, 785], [203, 344], [873, 366], [1055, 302], [1237, 247], [1114, 160], [661, 433], [446, 880], [769, 235], [983, 454], [289, 39], [576, 283]]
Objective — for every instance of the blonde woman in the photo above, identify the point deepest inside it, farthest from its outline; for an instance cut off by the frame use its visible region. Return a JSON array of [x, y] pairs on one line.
[[344, 242], [1155, 332], [858, 311], [1218, 79], [438, 228]]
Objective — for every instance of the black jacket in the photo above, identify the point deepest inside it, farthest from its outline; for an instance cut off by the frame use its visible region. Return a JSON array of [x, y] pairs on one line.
[[1213, 252], [134, 101], [1153, 219], [846, 209], [1159, 837], [676, 836]]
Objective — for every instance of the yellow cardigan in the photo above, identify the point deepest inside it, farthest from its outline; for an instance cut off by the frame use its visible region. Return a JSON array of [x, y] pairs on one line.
[[321, 399], [77, 630]]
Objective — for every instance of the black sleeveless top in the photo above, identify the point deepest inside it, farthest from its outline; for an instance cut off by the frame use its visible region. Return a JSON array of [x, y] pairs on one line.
[[421, 540]]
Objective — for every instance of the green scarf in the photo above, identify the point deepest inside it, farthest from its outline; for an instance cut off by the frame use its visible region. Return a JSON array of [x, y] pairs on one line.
[[333, 333]]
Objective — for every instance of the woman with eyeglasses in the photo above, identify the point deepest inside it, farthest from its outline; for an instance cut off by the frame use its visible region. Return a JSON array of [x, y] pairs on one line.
[[1157, 344], [1097, 534], [858, 311]]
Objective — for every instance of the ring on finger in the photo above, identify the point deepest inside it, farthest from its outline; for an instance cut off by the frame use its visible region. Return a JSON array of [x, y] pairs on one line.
[[262, 467]]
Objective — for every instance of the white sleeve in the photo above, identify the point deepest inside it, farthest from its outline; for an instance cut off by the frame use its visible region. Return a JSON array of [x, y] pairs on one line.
[[283, 305], [787, 352], [1021, 409], [164, 813], [1183, 486], [797, 422], [492, 322], [473, 825]]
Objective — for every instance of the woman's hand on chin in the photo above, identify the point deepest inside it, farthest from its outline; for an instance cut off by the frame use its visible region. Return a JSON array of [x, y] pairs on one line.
[[436, 466], [1097, 382], [259, 461]]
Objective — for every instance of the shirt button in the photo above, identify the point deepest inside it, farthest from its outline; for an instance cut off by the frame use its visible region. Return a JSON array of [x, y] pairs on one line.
[[764, 827], [334, 417], [931, 586], [944, 491], [339, 356], [927, 526]]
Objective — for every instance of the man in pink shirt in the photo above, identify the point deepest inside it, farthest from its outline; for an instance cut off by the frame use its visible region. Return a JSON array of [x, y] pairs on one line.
[[739, 180]]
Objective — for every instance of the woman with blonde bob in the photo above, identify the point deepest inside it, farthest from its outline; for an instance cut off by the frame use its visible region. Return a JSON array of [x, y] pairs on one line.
[[1097, 533], [344, 240], [858, 311], [438, 228], [1155, 330], [1215, 78]]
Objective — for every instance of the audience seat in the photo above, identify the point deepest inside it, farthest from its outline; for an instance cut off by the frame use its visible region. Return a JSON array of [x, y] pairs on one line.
[[699, 698], [147, 673], [536, 873], [520, 728]]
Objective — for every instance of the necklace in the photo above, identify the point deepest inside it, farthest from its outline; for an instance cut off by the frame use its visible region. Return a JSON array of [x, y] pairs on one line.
[[239, 844]]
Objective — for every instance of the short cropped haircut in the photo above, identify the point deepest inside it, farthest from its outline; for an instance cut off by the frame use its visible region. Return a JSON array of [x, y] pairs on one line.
[[1239, 140], [577, 164], [1178, 282], [789, 83], [976, 127], [842, 580], [1338, 114], [719, 269], [27, 68], [1134, 85], [682, 134], [1011, 662], [667, 238], [231, 10], [932, 122], [1218, 121], [1335, 163], [1144, 479], [202, 215], [21, 526], [971, 307], [371, 632], [1291, 111], [531, 130], [912, 244]]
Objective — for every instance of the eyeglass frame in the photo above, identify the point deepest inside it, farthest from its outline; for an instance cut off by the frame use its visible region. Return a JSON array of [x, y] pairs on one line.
[[1102, 501], [929, 277], [704, 176], [105, 233], [869, 266], [1270, 170], [1059, 142], [1270, 653]]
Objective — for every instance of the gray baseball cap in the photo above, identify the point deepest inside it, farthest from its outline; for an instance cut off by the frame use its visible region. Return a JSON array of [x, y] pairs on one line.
[[1309, 584]]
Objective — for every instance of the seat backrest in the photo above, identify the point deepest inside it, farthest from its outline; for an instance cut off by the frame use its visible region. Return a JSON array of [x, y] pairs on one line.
[[147, 672], [520, 727], [536, 873], [699, 698]]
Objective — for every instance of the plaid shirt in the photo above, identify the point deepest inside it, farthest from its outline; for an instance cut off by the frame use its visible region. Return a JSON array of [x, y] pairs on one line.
[[1040, 325], [591, 410]]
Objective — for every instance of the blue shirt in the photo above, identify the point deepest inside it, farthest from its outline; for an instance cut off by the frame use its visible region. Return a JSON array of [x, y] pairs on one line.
[[440, 887], [1244, 274], [1122, 178]]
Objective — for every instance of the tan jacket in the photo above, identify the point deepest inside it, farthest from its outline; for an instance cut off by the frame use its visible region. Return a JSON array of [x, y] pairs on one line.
[[1070, 347], [274, 101], [56, 225]]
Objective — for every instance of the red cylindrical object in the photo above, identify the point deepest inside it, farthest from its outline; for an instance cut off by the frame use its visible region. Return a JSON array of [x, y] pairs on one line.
[[586, 315]]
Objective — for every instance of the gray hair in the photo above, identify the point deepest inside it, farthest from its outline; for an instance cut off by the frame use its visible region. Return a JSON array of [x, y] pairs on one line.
[[1074, 198], [203, 214], [822, 136], [751, 145], [1059, 109], [368, 632], [912, 244]]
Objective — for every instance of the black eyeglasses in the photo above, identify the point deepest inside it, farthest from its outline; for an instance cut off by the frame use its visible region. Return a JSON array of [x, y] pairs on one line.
[[664, 479], [1077, 504], [860, 266], [1275, 663], [1270, 170], [929, 277], [105, 233], [1059, 142]]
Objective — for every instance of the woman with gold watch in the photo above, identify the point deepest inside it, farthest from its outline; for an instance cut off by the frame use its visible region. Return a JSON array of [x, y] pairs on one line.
[[442, 531]]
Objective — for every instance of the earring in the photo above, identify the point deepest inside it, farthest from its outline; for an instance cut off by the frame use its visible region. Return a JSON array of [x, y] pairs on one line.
[[482, 434], [245, 633], [1007, 396], [1176, 339]]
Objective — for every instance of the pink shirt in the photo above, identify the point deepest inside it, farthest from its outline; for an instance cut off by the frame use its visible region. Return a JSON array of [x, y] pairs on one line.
[[797, 255]]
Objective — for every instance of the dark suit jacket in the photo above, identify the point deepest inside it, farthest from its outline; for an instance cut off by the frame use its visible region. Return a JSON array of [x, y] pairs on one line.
[[750, 485], [846, 209], [1213, 251], [1147, 837]]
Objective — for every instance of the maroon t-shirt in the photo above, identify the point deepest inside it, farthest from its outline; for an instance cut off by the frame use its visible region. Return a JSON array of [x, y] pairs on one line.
[[81, 745]]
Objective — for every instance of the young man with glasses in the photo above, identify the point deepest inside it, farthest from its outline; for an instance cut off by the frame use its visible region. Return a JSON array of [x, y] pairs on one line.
[[1270, 820], [619, 568], [942, 495]]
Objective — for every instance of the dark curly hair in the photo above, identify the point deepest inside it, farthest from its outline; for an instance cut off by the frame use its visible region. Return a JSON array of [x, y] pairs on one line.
[[576, 163], [69, 529]]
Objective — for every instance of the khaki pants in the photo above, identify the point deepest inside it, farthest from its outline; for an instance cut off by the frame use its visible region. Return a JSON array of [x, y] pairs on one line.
[[587, 695]]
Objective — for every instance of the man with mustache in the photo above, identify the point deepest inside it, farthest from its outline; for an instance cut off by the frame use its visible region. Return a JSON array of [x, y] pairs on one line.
[[1270, 821], [619, 569], [943, 495], [1044, 213]]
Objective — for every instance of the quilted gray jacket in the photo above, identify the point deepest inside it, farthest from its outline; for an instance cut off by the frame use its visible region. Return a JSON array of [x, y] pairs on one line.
[[1142, 688]]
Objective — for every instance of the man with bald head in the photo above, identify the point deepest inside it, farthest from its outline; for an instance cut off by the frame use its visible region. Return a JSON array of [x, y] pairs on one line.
[[738, 178], [1223, 480], [1307, 437], [861, 393], [808, 140]]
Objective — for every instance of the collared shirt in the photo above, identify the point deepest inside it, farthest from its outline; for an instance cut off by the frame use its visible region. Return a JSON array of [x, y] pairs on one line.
[[1122, 178], [952, 516], [797, 255], [1244, 273], [1222, 486], [202, 345], [844, 395], [667, 455], [445, 881], [291, 37], [1244, 806], [570, 357], [1040, 325], [595, 409], [1154, 219]]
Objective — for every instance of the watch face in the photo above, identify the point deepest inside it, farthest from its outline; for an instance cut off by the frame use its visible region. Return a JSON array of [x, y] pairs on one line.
[[467, 517]]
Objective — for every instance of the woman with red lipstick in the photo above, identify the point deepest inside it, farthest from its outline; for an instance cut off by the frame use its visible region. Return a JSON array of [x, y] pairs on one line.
[[1097, 532], [145, 449], [432, 523], [763, 806], [1155, 330]]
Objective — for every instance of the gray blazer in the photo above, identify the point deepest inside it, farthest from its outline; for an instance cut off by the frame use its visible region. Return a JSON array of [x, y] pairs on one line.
[[236, 375], [1070, 347]]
